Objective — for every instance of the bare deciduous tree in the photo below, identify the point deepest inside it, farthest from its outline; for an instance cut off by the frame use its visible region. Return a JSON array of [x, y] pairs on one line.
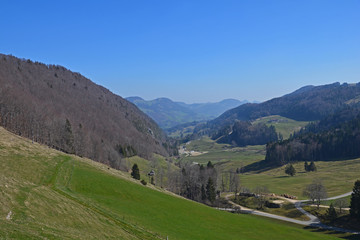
[[315, 191]]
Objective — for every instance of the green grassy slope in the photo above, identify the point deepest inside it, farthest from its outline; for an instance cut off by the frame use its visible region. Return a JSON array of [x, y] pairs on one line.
[[283, 125], [51, 195]]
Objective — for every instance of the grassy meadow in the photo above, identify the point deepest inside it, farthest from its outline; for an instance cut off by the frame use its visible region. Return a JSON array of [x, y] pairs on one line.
[[283, 125], [337, 176], [46, 194]]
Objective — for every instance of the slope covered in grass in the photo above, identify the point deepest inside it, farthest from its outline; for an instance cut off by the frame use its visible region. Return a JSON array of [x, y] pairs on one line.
[[48, 194]]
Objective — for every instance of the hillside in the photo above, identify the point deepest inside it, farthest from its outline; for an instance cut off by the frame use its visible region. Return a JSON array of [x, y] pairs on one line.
[[327, 140], [47, 194], [168, 113], [305, 104], [64, 110]]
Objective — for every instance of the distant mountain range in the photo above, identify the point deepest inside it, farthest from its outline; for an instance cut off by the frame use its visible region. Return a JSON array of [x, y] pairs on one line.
[[168, 113], [64, 110]]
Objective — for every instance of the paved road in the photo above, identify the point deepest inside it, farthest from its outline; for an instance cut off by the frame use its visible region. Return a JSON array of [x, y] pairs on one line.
[[313, 222]]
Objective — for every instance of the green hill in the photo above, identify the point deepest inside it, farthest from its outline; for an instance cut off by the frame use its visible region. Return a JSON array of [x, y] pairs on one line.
[[46, 194]]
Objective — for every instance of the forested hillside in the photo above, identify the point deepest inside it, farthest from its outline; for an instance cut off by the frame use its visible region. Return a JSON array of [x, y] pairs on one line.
[[335, 137], [244, 133], [64, 110], [306, 104], [309, 103]]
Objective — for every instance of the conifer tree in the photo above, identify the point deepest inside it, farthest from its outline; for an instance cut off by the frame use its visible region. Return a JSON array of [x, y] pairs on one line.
[[135, 173], [290, 170], [355, 201], [312, 167], [331, 213], [306, 166], [210, 190]]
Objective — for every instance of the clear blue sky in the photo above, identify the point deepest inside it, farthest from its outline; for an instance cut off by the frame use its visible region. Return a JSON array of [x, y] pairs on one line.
[[191, 51]]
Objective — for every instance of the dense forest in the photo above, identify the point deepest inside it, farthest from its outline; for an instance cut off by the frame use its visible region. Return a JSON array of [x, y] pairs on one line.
[[64, 110], [341, 140], [244, 133]]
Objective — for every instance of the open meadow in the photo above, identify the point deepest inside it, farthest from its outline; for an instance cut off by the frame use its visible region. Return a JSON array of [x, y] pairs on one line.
[[48, 194]]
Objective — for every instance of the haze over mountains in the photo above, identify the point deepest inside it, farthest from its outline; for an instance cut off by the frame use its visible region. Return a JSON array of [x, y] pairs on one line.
[[168, 113], [66, 111]]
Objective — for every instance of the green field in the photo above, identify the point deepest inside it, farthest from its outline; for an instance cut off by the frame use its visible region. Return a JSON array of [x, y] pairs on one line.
[[337, 176], [46, 194], [223, 155], [283, 125]]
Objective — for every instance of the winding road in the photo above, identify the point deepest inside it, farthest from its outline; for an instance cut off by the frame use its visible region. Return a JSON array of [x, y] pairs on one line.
[[313, 222]]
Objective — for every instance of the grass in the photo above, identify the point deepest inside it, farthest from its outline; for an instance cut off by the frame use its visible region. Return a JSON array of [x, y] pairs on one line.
[[283, 125], [337, 176], [158, 163], [225, 157], [343, 219], [56, 196]]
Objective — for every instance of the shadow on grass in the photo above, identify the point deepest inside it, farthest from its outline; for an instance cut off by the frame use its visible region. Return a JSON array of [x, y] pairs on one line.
[[259, 167], [282, 177]]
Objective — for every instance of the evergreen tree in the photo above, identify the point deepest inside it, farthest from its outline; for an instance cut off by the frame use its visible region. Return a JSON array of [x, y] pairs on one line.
[[210, 165], [210, 190], [306, 166], [312, 167], [290, 170], [203, 193], [135, 173], [355, 201], [331, 213]]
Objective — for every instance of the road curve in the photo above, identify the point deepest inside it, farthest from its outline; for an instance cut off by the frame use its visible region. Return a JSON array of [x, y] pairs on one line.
[[313, 222]]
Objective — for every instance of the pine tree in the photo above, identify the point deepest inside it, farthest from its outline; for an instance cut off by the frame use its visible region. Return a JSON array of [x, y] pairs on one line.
[[290, 170], [135, 173], [306, 166], [312, 167], [355, 201], [331, 213], [203, 193], [210, 190]]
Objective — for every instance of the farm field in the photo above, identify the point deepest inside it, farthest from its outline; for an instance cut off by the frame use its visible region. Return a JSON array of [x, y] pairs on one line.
[[49, 194]]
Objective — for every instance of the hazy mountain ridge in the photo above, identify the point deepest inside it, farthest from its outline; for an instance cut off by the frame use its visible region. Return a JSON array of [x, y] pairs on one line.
[[305, 104], [66, 111], [309, 103], [168, 113]]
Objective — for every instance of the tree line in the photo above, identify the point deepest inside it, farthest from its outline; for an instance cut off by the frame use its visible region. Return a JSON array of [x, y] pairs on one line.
[[339, 142]]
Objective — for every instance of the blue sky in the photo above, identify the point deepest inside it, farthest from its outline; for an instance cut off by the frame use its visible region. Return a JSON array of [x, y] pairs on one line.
[[191, 51]]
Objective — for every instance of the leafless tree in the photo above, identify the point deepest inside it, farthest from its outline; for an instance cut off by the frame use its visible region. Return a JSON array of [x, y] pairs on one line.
[[315, 191], [341, 203], [260, 194]]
